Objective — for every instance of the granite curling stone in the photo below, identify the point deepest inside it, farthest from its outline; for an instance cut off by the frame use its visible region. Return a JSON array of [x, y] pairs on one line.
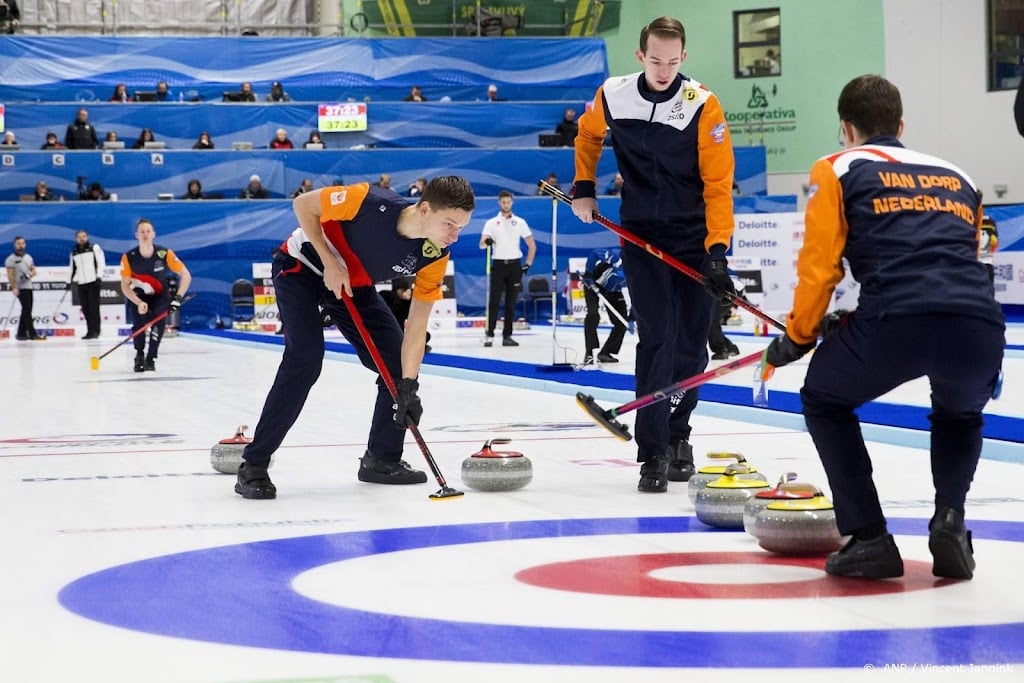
[[707, 474], [798, 527], [226, 455], [720, 503], [787, 489], [491, 470]]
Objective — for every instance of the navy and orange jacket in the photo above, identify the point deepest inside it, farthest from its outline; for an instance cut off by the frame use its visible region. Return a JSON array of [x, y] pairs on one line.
[[361, 225], [149, 275], [908, 225], [675, 155]]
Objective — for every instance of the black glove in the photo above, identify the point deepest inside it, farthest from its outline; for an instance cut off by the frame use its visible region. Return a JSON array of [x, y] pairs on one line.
[[831, 323], [526, 268], [716, 277], [783, 351], [488, 241], [408, 407], [175, 302]]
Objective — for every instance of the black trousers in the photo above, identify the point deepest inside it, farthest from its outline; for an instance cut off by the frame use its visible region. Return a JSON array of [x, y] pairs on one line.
[[506, 281], [89, 300], [158, 303], [868, 357], [716, 338], [617, 301], [26, 326], [300, 294], [673, 313]]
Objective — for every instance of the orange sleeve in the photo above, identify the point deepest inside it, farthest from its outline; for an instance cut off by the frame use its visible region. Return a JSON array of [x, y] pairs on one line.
[[342, 202], [590, 139], [819, 267], [717, 167], [126, 270], [173, 262], [429, 280]]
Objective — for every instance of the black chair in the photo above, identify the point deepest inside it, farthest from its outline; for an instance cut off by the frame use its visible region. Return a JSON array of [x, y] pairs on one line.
[[243, 301], [537, 288]]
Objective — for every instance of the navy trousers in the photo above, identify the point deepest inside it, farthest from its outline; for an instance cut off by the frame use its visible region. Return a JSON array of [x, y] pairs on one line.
[[673, 314], [300, 295], [868, 357]]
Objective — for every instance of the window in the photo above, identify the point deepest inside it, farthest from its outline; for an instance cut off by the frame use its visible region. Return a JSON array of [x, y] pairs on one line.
[[1005, 43], [756, 43]]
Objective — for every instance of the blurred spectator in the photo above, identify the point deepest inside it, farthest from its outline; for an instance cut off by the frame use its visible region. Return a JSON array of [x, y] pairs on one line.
[[615, 186], [195, 190], [384, 182], [281, 140], [204, 141], [492, 94], [314, 139], [43, 193], [94, 193], [415, 95], [417, 187], [567, 128], [9, 139], [13, 18], [552, 179], [305, 186], [277, 93], [111, 136], [247, 95], [145, 136], [120, 94], [52, 142], [254, 190], [1018, 107], [163, 93], [80, 133]]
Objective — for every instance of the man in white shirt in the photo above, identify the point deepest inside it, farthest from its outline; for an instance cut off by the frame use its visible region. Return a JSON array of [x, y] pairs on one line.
[[502, 233], [87, 265]]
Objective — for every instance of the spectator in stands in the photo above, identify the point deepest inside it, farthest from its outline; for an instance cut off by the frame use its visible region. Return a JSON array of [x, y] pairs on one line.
[[120, 94], [203, 142], [384, 182], [43, 193], [615, 186], [305, 186], [145, 136], [314, 139], [492, 94], [80, 133], [415, 95], [247, 95], [94, 193], [281, 140], [111, 136], [567, 128], [163, 93], [9, 139], [277, 93], [417, 187], [13, 16], [254, 190], [1018, 107], [195, 190], [552, 179], [52, 142]]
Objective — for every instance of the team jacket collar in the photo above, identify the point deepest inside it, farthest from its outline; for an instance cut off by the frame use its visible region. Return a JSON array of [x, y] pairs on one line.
[[884, 140], [658, 97]]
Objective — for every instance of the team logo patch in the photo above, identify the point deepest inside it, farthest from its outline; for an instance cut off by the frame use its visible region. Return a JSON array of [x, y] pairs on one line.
[[690, 94], [338, 197], [718, 133], [430, 250], [161, 253], [677, 107]]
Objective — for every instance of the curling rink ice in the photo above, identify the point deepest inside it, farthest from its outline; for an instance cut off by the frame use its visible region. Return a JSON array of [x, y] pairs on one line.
[[126, 557]]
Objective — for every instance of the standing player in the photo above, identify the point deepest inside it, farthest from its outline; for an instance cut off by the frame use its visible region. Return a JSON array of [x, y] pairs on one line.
[[908, 224], [673, 149], [350, 237], [87, 266], [503, 233], [604, 277], [145, 271]]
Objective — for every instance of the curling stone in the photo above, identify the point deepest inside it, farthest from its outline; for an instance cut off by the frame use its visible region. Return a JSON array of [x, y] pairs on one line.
[[707, 474], [720, 503], [491, 470], [798, 527], [787, 489], [226, 455]]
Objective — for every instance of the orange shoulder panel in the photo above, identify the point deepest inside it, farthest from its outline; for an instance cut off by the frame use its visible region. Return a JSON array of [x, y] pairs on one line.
[[717, 167], [126, 269], [342, 202], [173, 262], [819, 266], [590, 138], [429, 280]]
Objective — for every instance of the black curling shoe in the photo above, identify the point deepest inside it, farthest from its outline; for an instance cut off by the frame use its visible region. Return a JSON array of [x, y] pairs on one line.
[[654, 475], [254, 483], [375, 471], [680, 467], [950, 543], [876, 558]]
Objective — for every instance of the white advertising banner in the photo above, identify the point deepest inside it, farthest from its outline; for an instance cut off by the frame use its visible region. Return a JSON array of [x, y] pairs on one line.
[[55, 308]]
